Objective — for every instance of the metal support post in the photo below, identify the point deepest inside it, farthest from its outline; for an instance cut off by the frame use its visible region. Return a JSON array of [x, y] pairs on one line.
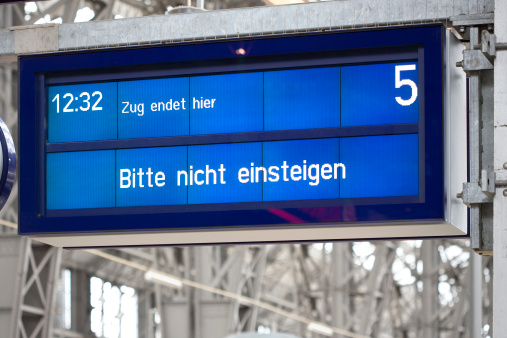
[[383, 259], [339, 285], [479, 191], [80, 300], [32, 314], [189, 292], [474, 140], [476, 295], [162, 327], [258, 274], [429, 294], [144, 316], [500, 165], [197, 294], [70, 10]]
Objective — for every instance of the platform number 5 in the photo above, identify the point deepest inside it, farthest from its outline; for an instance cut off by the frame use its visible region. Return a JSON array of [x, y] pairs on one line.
[[405, 82]]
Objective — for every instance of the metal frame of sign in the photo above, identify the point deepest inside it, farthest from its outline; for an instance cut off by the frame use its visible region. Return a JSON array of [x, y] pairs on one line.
[[433, 213]]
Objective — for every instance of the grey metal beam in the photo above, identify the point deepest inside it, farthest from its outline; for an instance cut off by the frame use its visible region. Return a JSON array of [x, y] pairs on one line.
[[339, 288], [474, 139], [70, 10], [476, 295], [258, 275], [7, 45], [238, 253], [81, 308], [158, 298], [33, 297], [383, 258], [261, 21], [500, 165], [255, 21], [48, 10], [107, 11]]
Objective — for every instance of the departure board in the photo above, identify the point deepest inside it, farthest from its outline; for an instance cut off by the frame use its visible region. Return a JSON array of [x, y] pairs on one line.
[[294, 99], [322, 128]]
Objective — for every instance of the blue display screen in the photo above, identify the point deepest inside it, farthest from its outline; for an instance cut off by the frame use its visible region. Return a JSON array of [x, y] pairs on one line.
[[309, 169], [365, 90], [152, 108], [328, 127], [267, 101], [303, 98], [82, 112], [308, 98], [329, 168], [81, 180]]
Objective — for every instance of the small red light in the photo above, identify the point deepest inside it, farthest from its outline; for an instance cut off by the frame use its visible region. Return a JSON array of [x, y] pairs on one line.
[[240, 51]]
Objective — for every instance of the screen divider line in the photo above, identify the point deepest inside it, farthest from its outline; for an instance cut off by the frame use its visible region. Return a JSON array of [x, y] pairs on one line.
[[262, 164], [115, 178], [116, 150], [339, 139], [189, 132], [263, 129], [340, 95], [117, 118], [263, 103], [339, 161], [188, 169], [278, 135]]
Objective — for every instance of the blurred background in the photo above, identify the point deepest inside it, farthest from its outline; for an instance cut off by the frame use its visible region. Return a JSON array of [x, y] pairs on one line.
[[430, 288]]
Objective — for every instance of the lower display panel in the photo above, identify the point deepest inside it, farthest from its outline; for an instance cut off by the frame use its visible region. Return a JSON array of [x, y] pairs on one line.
[[331, 168]]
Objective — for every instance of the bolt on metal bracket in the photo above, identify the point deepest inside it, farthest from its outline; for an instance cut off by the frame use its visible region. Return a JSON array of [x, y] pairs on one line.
[[482, 191], [474, 60], [473, 194], [488, 43], [480, 56], [489, 46], [488, 181]]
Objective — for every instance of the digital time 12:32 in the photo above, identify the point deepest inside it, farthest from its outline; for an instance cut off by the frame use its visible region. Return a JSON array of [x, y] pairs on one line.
[[86, 99]]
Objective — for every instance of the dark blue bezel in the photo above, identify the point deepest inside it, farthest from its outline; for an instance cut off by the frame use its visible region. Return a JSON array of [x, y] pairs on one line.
[[424, 43]]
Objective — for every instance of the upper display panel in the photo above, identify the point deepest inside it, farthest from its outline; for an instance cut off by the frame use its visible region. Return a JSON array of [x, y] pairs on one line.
[[306, 98]]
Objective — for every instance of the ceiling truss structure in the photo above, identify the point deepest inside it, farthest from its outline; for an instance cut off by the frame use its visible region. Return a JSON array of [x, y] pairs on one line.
[[377, 289]]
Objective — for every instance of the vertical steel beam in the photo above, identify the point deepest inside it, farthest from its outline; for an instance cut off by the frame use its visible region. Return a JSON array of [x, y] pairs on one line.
[[296, 291], [474, 141], [367, 316], [197, 294], [339, 285], [80, 300], [143, 312], [32, 314], [476, 295], [162, 328], [257, 285], [500, 164], [487, 152], [70, 10], [7, 15], [430, 293]]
